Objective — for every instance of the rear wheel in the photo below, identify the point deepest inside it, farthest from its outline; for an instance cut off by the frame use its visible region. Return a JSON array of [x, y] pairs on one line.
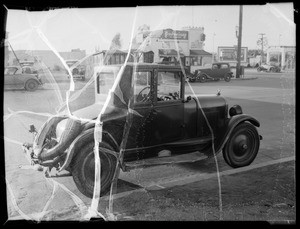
[[83, 169], [31, 85], [202, 78], [242, 146], [227, 77]]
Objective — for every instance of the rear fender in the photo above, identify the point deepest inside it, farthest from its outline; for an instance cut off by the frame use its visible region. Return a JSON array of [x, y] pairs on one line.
[[82, 139], [231, 124]]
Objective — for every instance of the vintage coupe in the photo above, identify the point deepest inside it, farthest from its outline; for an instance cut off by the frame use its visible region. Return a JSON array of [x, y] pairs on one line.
[[268, 68], [215, 71], [148, 120], [18, 77]]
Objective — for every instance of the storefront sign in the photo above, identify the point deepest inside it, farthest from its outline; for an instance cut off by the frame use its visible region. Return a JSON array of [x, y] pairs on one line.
[[229, 54], [174, 34]]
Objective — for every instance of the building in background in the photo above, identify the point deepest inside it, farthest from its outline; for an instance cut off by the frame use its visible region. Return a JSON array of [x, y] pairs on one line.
[[172, 46], [229, 54], [282, 56]]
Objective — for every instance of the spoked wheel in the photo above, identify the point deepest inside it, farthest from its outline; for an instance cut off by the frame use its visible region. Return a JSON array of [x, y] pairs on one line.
[[242, 146], [83, 169]]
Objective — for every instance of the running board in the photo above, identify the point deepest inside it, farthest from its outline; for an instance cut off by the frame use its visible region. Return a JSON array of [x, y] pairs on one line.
[[182, 158]]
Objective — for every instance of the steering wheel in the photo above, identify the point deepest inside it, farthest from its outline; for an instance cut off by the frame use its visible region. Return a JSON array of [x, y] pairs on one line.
[[141, 98]]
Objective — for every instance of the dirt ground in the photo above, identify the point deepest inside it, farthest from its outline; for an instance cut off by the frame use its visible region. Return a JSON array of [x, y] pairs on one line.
[[245, 196]]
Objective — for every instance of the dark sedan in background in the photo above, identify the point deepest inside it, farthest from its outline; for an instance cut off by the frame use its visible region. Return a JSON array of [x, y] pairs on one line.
[[215, 71]]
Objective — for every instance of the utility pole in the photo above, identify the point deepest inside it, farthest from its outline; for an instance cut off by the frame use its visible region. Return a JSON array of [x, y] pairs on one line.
[[238, 65], [262, 47]]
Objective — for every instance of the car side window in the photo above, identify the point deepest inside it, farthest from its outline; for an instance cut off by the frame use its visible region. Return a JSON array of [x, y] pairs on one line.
[[223, 66], [168, 86], [142, 90], [215, 66]]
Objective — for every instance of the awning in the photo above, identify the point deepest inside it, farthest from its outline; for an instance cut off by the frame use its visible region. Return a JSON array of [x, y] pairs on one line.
[[199, 53], [168, 52]]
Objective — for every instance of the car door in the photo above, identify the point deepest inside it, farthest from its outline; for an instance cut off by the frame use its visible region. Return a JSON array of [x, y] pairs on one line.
[[168, 109], [141, 107], [216, 71], [20, 78]]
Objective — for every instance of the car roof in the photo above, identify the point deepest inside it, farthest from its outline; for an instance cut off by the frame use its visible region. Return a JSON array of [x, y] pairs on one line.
[[13, 66], [220, 63], [150, 65]]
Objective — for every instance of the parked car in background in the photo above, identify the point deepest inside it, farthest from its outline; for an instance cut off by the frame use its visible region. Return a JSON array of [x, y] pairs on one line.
[[215, 71], [268, 68], [148, 121], [78, 72], [22, 77]]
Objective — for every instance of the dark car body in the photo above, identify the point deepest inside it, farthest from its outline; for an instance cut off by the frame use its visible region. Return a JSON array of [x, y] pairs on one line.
[[78, 70], [21, 77], [215, 71], [147, 119]]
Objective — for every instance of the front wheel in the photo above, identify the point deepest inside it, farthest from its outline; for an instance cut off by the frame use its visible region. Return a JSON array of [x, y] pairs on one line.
[[242, 146], [83, 169]]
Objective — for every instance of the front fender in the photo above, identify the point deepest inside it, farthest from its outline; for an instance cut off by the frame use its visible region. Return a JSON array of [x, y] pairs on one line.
[[82, 139], [231, 123], [236, 119]]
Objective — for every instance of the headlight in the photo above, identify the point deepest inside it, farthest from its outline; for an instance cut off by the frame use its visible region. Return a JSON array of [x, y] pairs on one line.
[[60, 128], [235, 110]]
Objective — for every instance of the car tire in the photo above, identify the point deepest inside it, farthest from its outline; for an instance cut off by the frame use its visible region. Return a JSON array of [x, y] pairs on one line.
[[83, 169], [242, 146], [227, 77], [273, 69], [259, 69], [31, 85], [202, 78]]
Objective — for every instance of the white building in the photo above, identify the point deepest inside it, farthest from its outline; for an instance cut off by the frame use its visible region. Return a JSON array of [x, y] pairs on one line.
[[172, 46], [282, 56]]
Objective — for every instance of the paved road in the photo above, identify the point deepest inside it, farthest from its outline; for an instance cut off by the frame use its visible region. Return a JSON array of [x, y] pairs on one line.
[[270, 100]]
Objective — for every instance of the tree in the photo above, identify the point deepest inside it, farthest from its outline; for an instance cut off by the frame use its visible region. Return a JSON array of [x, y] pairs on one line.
[[116, 42]]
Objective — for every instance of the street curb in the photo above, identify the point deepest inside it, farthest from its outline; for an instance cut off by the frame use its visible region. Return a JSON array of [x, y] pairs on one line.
[[245, 78]]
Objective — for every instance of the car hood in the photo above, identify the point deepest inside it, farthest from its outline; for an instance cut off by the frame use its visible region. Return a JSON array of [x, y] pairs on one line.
[[90, 112]]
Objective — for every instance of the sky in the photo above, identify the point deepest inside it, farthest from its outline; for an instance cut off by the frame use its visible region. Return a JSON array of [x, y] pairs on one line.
[[71, 28]]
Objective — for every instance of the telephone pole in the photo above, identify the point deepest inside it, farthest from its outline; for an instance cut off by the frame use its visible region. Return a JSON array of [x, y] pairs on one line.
[[262, 47], [238, 65]]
